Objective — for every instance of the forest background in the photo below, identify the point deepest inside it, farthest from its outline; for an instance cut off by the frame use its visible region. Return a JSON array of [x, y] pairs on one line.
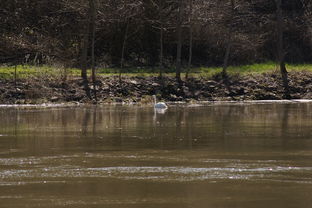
[[156, 35]]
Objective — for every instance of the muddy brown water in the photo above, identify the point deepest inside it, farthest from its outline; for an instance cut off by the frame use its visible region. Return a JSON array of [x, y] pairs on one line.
[[218, 156]]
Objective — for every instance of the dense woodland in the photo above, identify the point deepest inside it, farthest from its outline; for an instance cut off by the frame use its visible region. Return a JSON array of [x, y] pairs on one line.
[[147, 32], [157, 34]]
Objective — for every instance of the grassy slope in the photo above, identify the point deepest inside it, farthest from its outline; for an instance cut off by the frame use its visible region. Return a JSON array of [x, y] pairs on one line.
[[28, 71]]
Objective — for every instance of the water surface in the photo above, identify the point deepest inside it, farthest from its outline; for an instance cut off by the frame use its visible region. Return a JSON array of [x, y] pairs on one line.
[[228, 155]]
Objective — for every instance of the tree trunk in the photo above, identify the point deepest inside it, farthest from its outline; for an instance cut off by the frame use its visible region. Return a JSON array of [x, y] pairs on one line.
[[84, 58], [191, 40], [229, 41], [280, 49], [123, 49], [179, 41], [161, 39], [226, 59], [93, 14], [84, 53]]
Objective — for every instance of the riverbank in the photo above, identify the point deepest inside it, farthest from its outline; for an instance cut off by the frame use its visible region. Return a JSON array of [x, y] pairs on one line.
[[138, 89]]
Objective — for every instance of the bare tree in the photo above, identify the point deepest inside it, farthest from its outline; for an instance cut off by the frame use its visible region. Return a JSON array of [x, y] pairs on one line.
[[164, 10], [280, 47], [189, 65], [229, 39], [122, 58], [179, 39], [84, 55], [161, 37], [93, 26]]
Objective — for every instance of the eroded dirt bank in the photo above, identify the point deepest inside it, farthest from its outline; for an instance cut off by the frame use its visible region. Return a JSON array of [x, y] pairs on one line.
[[266, 86]]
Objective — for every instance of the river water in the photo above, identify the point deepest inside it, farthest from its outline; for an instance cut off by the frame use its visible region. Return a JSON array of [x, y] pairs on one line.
[[218, 156]]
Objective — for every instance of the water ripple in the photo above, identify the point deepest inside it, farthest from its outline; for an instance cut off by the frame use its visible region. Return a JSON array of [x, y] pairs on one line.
[[148, 167], [162, 173]]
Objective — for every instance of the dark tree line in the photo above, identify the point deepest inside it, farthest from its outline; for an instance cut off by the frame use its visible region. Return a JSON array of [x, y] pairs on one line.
[[155, 33]]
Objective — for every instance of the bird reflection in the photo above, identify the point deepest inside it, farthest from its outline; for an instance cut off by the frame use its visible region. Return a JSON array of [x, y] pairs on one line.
[[160, 110]]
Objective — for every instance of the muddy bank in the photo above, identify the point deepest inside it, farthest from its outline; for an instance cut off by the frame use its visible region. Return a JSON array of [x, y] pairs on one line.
[[266, 86]]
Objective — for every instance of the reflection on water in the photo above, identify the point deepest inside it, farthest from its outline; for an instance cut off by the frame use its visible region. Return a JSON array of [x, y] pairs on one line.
[[251, 155]]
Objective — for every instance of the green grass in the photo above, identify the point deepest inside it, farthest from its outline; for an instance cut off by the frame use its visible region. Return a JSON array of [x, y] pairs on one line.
[[244, 69], [252, 68], [27, 71]]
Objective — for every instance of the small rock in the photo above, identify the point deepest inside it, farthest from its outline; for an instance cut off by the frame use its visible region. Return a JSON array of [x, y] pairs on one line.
[[173, 97], [308, 95], [211, 82], [118, 99], [54, 99]]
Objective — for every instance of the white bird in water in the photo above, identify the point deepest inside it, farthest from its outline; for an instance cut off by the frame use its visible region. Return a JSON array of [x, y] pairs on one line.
[[159, 105]]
